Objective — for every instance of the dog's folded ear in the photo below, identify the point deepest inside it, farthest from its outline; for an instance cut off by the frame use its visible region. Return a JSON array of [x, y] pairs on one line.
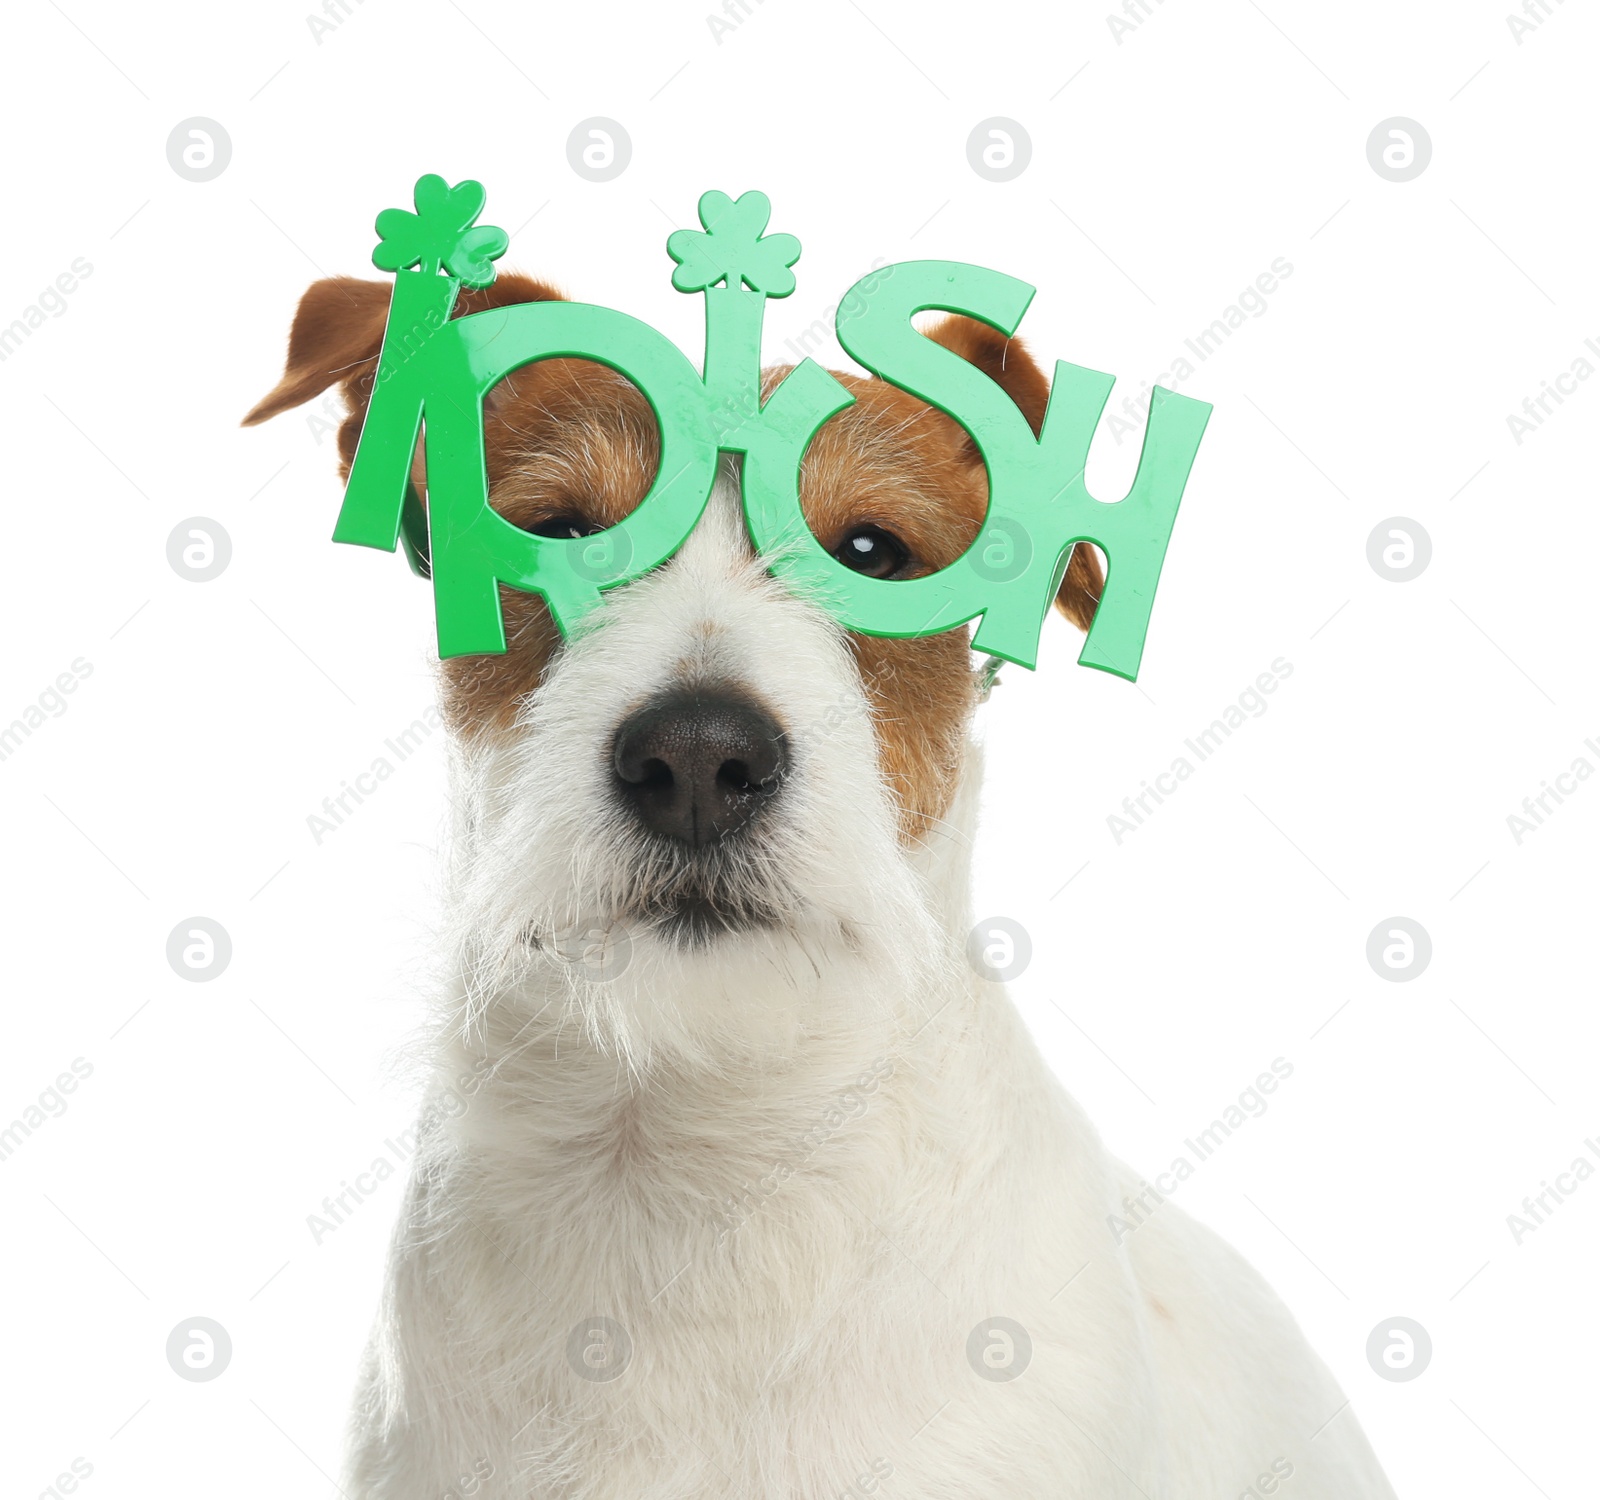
[[338, 331], [1008, 363]]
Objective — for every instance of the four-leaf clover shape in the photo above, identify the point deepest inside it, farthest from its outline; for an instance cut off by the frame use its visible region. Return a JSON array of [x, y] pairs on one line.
[[441, 233], [733, 248]]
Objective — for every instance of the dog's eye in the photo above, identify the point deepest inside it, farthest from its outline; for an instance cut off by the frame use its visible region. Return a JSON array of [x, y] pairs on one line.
[[565, 528], [873, 551]]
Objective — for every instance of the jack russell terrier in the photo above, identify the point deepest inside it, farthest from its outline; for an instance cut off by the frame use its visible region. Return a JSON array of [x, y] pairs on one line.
[[736, 1178]]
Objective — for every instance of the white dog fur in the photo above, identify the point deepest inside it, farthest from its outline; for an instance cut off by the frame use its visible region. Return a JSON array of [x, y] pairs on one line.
[[795, 1167]]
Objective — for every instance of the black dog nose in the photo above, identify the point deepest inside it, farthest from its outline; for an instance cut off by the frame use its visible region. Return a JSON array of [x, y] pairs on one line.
[[696, 766]]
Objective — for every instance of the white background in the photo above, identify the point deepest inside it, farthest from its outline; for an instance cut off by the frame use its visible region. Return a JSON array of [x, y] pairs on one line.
[[1168, 170]]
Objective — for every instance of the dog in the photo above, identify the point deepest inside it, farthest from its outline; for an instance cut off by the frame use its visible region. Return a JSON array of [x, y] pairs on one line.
[[737, 1178]]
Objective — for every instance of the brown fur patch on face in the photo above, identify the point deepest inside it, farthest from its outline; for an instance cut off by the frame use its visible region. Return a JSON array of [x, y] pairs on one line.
[[565, 439], [893, 462]]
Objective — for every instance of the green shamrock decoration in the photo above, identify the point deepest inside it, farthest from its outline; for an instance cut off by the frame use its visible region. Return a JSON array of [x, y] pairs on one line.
[[734, 248], [441, 233]]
